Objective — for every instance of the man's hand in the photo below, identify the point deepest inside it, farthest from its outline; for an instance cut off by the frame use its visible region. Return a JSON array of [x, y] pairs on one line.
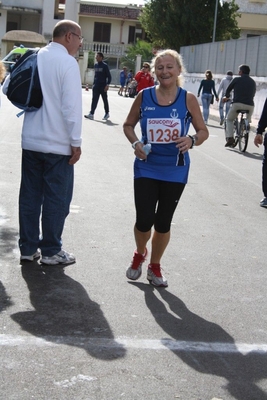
[[258, 140], [75, 155], [225, 99]]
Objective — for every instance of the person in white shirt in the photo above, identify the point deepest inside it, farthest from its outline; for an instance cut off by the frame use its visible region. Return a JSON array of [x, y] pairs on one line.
[[222, 88], [51, 145]]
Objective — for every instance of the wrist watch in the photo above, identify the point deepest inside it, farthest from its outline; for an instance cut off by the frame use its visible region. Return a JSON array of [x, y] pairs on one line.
[[193, 141], [135, 143]]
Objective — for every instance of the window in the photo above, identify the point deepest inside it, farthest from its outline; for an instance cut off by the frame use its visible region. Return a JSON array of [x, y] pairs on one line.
[[131, 35], [102, 32]]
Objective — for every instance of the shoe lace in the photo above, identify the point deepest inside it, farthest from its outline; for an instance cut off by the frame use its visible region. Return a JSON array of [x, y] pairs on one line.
[[155, 268], [137, 260]]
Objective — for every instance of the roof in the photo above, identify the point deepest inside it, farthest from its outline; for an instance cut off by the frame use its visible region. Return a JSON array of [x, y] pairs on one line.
[[24, 36]]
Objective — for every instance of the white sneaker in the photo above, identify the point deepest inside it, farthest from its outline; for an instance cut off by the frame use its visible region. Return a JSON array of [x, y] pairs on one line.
[[89, 116], [62, 257], [106, 117], [155, 277], [134, 271], [37, 254]]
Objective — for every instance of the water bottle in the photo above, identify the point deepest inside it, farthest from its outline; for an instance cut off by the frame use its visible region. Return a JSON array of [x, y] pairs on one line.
[[147, 148]]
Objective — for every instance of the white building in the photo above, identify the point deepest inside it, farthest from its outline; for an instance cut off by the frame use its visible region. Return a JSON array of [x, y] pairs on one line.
[[253, 17]]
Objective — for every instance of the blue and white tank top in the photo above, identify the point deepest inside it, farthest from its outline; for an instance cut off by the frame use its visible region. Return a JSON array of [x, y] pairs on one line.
[[160, 126]]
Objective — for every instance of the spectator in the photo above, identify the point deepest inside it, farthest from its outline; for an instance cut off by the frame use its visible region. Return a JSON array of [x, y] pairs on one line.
[[208, 86], [123, 79], [144, 78], [128, 81], [222, 88], [101, 83], [262, 125], [51, 140]]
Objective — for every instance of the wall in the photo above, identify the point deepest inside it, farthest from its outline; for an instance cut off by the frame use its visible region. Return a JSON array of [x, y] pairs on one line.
[[192, 82], [227, 55]]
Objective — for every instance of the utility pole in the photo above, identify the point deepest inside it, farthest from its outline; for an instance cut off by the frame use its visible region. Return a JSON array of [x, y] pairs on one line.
[[215, 21]]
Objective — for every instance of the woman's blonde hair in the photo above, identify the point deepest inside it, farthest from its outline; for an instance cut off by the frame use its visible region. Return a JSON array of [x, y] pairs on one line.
[[178, 58]]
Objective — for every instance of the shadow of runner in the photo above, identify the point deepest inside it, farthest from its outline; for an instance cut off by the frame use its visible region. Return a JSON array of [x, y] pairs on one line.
[[5, 300], [64, 313], [220, 357]]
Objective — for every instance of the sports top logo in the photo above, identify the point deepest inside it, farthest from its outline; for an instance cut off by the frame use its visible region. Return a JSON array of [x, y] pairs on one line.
[[170, 123]]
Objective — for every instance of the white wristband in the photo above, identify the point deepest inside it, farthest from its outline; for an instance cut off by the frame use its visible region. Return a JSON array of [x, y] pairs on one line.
[[135, 143]]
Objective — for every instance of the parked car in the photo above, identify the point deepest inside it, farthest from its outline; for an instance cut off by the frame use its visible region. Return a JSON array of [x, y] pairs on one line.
[[13, 56]]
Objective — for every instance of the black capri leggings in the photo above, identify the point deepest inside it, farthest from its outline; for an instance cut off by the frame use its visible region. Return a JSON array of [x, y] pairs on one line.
[[155, 203]]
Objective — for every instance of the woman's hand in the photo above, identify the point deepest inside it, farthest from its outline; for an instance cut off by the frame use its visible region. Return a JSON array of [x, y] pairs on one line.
[[184, 143], [139, 152]]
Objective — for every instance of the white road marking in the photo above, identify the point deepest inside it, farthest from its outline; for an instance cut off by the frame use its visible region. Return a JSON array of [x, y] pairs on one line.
[[129, 343]]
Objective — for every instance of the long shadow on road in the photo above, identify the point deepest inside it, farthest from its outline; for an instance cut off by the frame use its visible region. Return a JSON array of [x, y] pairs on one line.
[[241, 371], [64, 313]]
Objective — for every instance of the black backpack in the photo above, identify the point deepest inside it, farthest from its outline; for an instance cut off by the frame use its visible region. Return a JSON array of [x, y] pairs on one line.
[[24, 89]]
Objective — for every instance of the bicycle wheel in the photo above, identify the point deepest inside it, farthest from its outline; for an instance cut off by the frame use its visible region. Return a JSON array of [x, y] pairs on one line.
[[236, 137], [243, 137]]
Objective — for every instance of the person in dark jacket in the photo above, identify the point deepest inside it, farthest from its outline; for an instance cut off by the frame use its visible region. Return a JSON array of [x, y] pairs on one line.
[[244, 91], [262, 125], [208, 86], [102, 80]]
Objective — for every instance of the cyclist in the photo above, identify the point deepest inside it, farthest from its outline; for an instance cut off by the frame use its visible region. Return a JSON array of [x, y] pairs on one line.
[[244, 91], [262, 125]]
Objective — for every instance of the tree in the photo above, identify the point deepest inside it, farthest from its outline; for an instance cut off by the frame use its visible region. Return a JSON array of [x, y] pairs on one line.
[[140, 47], [176, 23]]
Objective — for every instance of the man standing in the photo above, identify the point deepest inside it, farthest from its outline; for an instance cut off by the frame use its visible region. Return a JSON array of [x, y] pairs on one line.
[[51, 140], [102, 80], [222, 88], [262, 125], [244, 91]]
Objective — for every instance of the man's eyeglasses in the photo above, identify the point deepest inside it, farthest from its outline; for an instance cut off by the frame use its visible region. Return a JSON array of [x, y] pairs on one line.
[[80, 37]]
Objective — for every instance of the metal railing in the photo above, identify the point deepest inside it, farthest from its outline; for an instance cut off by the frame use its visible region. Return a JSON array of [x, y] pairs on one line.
[[108, 49]]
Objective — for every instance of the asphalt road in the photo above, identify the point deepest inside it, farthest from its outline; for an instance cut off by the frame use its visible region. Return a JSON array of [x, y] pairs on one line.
[[85, 332]]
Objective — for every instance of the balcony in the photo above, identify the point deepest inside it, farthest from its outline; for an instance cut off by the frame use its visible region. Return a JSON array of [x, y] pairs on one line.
[[108, 49]]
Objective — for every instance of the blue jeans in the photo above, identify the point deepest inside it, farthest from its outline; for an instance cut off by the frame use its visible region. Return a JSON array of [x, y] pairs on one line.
[[97, 91], [45, 191], [206, 99]]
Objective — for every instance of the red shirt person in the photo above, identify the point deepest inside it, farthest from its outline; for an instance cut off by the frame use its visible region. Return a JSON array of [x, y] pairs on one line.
[[144, 78]]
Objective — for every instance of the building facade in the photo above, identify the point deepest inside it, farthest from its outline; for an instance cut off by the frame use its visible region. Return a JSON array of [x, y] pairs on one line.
[[253, 17], [106, 28]]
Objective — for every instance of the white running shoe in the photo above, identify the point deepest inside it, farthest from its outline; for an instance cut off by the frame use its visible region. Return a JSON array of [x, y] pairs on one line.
[[62, 257], [135, 269], [106, 117], [89, 116], [37, 254], [155, 277]]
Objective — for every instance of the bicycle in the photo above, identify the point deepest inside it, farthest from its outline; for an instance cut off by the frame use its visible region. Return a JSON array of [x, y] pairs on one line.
[[241, 131]]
